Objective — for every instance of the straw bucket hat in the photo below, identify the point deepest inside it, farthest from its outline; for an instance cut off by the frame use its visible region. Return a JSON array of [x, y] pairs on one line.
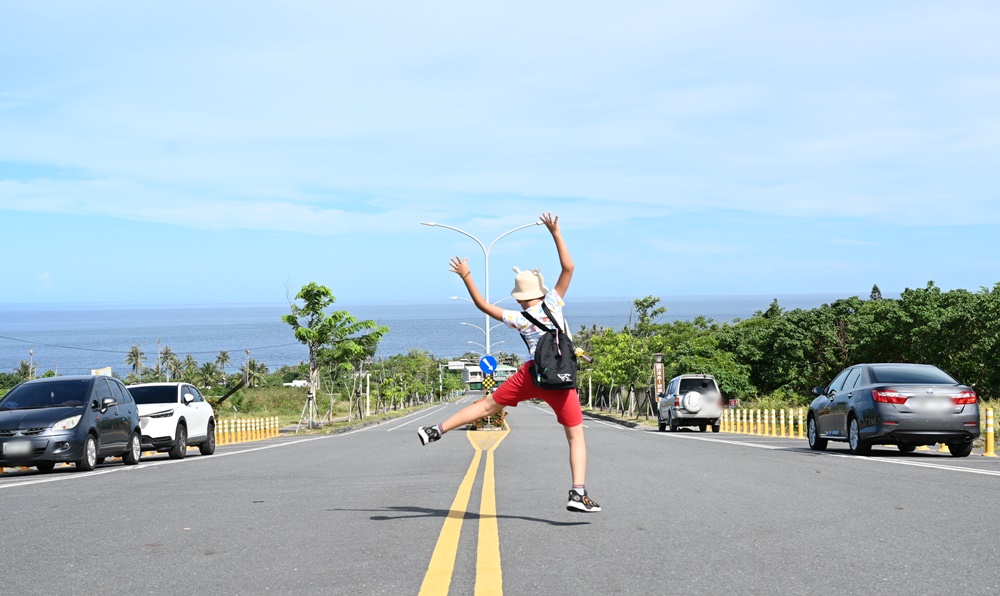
[[528, 285]]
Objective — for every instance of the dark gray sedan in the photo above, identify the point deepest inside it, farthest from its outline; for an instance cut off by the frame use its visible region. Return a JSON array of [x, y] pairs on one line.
[[906, 405], [77, 419]]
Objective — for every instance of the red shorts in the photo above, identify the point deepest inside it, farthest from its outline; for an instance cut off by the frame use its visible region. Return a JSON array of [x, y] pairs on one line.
[[519, 387]]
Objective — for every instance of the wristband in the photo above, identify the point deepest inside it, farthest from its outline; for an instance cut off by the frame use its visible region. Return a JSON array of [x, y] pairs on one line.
[[467, 274]]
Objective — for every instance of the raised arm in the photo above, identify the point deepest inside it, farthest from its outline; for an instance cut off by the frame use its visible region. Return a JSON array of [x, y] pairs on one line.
[[460, 266], [565, 261]]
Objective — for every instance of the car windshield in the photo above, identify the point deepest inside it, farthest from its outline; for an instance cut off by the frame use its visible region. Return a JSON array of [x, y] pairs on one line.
[[50, 394], [154, 394], [699, 385], [896, 374]]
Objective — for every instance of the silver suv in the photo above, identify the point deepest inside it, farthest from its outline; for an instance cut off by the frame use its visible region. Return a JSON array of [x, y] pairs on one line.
[[691, 400]]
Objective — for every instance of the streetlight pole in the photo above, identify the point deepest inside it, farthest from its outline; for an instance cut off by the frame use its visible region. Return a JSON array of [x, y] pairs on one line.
[[486, 255]]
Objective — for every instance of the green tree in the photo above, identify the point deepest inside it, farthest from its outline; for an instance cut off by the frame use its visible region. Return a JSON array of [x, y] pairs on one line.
[[701, 355], [254, 372], [223, 360], [136, 359], [189, 369], [508, 358], [209, 374], [332, 339], [23, 371], [172, 366], [166, 357], [647, 314]]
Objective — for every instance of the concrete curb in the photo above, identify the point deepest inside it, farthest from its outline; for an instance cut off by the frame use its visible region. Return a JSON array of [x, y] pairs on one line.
[[609, 418]]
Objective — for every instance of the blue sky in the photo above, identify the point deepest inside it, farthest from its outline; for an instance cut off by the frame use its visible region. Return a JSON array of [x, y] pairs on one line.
[[192, 152]]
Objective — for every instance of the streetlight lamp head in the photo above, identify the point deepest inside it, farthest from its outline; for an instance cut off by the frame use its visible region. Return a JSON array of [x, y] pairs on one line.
[[428, 223]]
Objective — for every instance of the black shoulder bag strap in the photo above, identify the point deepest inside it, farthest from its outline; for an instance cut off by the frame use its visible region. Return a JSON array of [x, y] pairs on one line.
[[538, 324], [549, 314]]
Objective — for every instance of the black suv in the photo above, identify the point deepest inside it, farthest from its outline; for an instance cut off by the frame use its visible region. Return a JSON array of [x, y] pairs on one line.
[[76, 419]]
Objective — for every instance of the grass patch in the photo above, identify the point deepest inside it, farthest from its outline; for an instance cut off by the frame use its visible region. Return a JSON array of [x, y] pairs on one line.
[[286, 403]]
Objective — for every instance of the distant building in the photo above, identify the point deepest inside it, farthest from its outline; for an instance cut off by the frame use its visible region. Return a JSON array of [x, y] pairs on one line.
[[297, 383], [504, 372], [472, 375]]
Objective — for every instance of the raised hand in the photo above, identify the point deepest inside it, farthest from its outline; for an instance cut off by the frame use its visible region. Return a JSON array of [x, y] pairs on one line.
[[551, 222], [460, 266]]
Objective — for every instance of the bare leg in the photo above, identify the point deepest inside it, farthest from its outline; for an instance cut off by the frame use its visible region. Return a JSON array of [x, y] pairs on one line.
[[577, 453], [471, 412]]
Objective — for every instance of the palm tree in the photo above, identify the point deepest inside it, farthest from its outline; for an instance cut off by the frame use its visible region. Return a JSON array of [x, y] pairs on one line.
[[23, 371], [223, 360], [173, 366], [136, 359], [166, 357], [208, 374], [254, 372], [190, 369]]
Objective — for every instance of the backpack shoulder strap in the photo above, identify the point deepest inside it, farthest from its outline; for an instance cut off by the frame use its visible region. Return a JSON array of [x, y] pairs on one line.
[[552, 318], [536, 322]]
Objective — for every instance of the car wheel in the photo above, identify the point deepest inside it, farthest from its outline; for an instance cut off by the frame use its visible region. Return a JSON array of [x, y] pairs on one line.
[[716, 426], [208, 447], [702, 428], [960, 449], [815, 442], [46, 467], [855, 443], [661, 425], [180, 443], [134, 452], [671, 423], [907, 448], [89, 460]]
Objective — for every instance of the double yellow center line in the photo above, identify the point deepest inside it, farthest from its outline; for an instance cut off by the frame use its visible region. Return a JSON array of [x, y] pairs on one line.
[[489, 579]]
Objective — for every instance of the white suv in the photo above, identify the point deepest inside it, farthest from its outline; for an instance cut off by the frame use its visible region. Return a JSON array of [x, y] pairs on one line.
[[173, 416], [691, 400]]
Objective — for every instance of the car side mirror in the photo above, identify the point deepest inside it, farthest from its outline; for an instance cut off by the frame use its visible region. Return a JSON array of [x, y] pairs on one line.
[[108, 402], [817, 391], [188, 398]]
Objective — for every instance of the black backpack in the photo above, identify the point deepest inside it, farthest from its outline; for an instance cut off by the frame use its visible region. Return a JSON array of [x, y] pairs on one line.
[[555, 355]]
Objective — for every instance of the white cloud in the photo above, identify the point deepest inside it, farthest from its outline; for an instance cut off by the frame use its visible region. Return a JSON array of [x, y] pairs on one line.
[[329, 118]]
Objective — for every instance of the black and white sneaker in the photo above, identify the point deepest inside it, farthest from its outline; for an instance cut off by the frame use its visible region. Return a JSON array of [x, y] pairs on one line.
[[581, 503], [428, 434]]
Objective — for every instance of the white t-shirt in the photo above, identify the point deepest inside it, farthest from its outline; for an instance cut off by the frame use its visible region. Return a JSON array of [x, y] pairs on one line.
[[527, 329]]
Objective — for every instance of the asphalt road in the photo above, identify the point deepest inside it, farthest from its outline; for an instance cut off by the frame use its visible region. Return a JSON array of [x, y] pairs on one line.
[[367, 512]]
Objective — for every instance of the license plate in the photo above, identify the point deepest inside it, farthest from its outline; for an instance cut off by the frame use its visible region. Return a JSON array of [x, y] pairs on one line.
[[933, 405], [17, 448]]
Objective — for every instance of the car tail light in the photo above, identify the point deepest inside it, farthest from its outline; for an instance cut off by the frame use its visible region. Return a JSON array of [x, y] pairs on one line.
[[964, 398], [889, 396], [677, 402]]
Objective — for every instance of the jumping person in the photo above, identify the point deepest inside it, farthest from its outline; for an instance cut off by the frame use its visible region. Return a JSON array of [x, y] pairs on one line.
[[530, 293]]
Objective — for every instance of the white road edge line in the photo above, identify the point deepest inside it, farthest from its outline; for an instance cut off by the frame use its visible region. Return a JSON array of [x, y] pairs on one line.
[[853, 457], [744, 444], [153, 464], [432, 411], [918, 464]]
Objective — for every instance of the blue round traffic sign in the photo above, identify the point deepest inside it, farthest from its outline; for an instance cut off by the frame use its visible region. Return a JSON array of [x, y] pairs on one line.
[[488, 364]]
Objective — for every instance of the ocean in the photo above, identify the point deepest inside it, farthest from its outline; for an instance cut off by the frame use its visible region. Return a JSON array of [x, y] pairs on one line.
[[75, 339]]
